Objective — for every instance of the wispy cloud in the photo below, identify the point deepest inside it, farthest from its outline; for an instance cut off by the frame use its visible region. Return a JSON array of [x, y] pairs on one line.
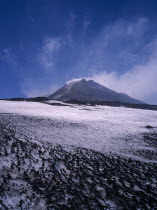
[[32, 89], [7, 56], [138, 82], [86, 23], [138, 27], [122, 58], [117, 47], [48, 55]]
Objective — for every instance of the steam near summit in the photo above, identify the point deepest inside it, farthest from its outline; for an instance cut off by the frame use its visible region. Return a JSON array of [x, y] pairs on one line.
[[88, 90]]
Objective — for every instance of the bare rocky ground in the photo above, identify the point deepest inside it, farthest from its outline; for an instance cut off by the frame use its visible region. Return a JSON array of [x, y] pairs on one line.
[[40, 175]]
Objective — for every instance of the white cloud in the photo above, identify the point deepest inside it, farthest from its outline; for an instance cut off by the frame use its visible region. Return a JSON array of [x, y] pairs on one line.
[[47, 58], [74, 80], [120, 58], [117, 47], [48, 55], [137, 28], [139, 82], [124, 58], [35, 89]]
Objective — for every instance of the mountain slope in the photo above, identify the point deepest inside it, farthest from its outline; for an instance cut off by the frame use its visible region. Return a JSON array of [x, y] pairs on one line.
[[83, 90]]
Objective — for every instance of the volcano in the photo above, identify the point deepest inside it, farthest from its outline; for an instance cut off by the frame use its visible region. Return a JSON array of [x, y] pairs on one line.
[[90, 91]]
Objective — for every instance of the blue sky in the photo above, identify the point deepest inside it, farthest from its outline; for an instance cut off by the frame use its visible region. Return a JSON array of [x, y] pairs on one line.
[[45, 43]]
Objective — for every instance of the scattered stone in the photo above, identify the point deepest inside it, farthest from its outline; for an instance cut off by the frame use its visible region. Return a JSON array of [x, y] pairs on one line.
[[149, 127]]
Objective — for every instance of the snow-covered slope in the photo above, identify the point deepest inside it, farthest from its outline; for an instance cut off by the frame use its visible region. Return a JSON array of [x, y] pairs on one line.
[[76, 157], [89, 90], [102, 128]]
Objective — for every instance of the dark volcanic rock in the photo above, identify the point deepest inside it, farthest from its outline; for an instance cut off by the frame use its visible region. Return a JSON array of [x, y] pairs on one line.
[[38, 175], [88, 90], [149, 127]]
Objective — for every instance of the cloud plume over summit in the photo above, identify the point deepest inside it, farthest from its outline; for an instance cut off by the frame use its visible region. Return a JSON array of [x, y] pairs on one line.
[[122, 56]]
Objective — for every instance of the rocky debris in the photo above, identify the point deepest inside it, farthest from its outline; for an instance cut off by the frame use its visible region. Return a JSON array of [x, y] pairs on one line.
[[39, 175], [149, 126]]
